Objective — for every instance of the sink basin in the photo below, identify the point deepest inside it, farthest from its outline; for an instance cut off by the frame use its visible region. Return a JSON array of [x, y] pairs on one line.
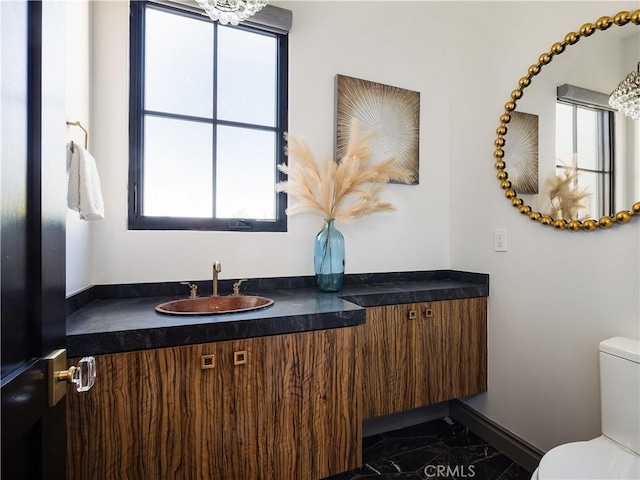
[[214, 305]]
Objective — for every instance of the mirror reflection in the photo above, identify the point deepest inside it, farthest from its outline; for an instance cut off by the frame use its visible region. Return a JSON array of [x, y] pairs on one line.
[[585, 153], [569, 154]]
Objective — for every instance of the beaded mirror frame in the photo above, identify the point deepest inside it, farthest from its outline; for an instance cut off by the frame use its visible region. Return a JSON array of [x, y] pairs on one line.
[[621, 217]]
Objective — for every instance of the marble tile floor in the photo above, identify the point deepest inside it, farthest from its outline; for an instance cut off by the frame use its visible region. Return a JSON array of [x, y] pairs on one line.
[[441, 449]]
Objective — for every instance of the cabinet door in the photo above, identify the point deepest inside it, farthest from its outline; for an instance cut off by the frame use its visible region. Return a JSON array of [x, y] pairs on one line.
[[418, 354], [292, 410], [153, 414], [287, 406], [389, 383], [453, 338]]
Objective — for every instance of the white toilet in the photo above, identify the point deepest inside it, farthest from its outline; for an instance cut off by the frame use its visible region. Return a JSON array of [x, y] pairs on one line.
[[616, 453]]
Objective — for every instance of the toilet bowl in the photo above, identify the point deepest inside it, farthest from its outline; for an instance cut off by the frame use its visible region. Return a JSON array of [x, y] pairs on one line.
[[600, 458], [616, 453]]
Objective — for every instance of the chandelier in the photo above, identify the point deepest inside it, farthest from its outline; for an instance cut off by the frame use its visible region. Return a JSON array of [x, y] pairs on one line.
[[626, 98], [231, 11]]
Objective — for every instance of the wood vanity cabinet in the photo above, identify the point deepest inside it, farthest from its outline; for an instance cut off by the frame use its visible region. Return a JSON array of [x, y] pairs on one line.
[[423, 353], [289, 408]]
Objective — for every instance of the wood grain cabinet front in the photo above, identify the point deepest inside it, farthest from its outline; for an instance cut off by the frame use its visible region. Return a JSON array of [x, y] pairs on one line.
[[279, 407], [423, 353]]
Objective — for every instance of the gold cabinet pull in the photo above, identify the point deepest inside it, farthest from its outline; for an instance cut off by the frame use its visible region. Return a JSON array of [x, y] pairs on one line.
[[208, 361], [412, 314], [428, 312], [240, 358]]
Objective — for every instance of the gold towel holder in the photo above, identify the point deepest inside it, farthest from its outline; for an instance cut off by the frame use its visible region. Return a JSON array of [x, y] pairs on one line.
[[86, 134]]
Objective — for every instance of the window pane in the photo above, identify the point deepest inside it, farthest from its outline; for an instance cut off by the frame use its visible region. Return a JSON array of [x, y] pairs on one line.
[[246, 173], [598, 184], [594, 153], [179, 64], [564, 134], [246, 77], [587, 130], [589, 181], [177, 168]]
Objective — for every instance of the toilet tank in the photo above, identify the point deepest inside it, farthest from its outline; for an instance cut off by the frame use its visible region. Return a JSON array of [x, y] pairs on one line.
[[620, 391]]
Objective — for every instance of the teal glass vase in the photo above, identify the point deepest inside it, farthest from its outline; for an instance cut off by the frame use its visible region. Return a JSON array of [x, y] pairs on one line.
[[329, 257]]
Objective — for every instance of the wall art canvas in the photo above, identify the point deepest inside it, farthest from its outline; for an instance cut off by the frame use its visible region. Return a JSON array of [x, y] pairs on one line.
[[392, 112], [521, 152]]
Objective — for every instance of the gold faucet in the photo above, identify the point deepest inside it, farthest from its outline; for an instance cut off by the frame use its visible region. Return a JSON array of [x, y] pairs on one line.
[[216, 269]]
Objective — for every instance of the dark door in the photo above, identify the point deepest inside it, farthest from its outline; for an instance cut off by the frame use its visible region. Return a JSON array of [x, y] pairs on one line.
[[32, 236]]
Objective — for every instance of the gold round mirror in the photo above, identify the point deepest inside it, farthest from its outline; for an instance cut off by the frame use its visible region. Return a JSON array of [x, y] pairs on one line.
[[579, 194]]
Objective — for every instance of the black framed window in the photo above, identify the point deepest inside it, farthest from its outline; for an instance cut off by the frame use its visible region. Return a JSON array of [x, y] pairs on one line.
[[584, 141], [208, 112]]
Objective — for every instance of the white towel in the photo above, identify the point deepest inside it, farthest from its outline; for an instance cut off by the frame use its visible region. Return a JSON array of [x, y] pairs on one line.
[[83, 194]]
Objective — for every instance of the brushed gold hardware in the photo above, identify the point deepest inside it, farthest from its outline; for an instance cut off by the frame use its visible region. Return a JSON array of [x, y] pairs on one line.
[[57, 376], [86, 134], [65, 375], [412, 314], [193, 289], [428, 312], [217, 268], [240, 358], [208, 361], [236, 287]]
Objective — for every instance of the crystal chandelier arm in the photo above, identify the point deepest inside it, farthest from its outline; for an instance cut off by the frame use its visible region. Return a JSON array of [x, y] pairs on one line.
[[626, 97]]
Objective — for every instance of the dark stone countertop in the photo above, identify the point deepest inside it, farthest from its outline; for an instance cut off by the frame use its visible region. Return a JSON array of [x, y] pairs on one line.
[[126, 324]]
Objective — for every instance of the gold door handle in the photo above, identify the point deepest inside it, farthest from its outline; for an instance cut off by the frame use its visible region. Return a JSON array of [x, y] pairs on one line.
[[428, 312], [412, 314]]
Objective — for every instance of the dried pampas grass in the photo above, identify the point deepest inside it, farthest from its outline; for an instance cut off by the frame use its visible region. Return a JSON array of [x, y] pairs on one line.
[[339, 190], [566, 198]]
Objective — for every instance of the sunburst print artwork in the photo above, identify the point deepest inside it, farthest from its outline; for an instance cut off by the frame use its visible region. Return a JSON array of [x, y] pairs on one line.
[[392, 113], [521, 152]]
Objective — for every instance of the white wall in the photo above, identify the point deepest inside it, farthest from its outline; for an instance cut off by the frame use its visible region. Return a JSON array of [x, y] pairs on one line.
[[78, 245], [382, 242], [554, 295]]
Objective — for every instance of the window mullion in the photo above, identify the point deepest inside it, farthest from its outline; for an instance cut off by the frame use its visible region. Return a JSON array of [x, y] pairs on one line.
[[252, 126], [214, 124], [574, 121], [136, 114], [610, 160], [602, 166], [282, 109], [176, 116]]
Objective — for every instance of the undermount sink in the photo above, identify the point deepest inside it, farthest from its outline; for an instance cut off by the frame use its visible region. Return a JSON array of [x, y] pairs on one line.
[[214, 305]]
